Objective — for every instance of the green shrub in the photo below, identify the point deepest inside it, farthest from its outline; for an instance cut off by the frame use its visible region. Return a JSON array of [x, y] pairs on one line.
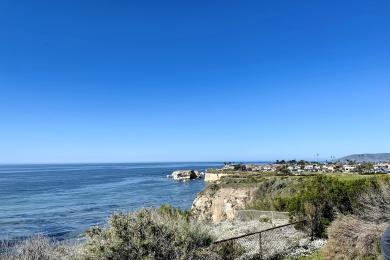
[[272, 191], [39, 248], [166, 233], [320, 198], [228, 250], [169, 211]]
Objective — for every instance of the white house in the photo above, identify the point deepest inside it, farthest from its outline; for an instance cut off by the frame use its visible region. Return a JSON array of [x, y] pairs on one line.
[[348, 168]]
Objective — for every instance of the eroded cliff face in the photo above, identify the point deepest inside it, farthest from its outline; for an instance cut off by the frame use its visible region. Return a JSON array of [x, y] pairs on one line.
[[220, 204]]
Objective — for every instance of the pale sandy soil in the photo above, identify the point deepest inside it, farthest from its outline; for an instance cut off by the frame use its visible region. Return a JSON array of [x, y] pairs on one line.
[[286, 241]]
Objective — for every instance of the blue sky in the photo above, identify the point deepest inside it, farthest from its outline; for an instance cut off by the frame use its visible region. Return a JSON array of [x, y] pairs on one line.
[[128, 81]]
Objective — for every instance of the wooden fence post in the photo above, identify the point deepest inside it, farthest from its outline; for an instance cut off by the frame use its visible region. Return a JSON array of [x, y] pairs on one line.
[[260, 247]]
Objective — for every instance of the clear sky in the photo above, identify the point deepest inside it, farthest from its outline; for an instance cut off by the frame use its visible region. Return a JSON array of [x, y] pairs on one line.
[[128, 81]]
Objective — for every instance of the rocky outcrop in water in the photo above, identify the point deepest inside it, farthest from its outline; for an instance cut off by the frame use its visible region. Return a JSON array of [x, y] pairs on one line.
[[184, 175]]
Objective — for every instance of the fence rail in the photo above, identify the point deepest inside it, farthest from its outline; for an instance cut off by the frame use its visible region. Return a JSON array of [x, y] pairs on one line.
[[267, 243]]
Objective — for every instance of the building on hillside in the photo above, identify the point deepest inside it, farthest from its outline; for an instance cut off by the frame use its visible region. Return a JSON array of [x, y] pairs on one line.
[[309, 167], [328, 168], [228, 167], [349, 168]]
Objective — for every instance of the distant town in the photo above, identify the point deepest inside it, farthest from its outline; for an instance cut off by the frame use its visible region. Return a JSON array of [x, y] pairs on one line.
[[300, 167], [288, 167]]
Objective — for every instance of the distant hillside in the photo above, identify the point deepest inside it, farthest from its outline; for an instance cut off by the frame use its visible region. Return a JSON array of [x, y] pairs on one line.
[[368, 157]]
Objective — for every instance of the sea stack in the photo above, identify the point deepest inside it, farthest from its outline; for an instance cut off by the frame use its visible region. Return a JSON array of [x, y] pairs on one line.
[[184, 175]]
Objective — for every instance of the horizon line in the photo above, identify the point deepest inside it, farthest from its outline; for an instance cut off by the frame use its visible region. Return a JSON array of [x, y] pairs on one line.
[[134, 162]]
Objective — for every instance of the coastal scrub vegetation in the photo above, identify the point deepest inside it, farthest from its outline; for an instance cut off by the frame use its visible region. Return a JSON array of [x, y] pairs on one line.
[[350, 211], [321, 198], [39, 247], [164, 233], [353, 238], [146, 235]]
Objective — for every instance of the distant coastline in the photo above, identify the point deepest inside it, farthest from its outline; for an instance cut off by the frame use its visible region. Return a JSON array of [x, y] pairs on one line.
[[367, 157]]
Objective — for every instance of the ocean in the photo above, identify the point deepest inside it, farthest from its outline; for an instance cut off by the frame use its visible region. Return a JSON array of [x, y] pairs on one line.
[[62, 201]]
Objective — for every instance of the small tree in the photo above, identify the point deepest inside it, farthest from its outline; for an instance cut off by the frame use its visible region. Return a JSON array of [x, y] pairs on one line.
[[365, 168], [283, 170], [302, 164]]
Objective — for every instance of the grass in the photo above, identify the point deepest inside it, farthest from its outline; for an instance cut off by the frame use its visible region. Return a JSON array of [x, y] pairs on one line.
[[316, 255], [248, 178], [251, 180]]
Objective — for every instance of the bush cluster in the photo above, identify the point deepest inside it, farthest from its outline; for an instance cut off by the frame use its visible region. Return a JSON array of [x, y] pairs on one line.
[[150, 234], [164, 233], [353, 238], [39, 247], [320, 198]]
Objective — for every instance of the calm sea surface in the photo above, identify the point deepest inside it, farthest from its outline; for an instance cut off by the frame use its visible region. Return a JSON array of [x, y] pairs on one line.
[[61, 201]]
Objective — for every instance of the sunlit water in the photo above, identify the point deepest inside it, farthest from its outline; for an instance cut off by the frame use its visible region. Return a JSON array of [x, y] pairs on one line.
[[61, 201]]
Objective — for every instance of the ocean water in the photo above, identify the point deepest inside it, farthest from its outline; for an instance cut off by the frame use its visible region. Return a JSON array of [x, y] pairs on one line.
[[61, 201]]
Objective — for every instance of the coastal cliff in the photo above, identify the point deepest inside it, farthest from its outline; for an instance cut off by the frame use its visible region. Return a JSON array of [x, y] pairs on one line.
[[221, 199], [217, 204]]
